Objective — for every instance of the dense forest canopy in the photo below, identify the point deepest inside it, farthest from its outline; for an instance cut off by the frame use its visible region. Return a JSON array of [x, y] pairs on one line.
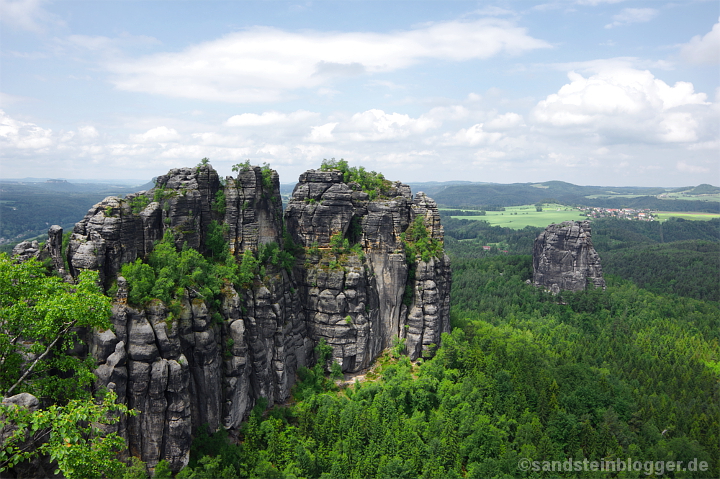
[[627, 372], [619, 373], [596, 374]]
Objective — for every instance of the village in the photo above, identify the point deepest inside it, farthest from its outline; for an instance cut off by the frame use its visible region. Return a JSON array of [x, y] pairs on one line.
[[624, 213]]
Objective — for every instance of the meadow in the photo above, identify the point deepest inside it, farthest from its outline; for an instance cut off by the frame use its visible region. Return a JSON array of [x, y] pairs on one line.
[[688, 197], [694, 216], [518, 217]]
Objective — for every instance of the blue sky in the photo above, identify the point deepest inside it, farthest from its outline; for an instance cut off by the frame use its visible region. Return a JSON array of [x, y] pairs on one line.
[[593, 92]]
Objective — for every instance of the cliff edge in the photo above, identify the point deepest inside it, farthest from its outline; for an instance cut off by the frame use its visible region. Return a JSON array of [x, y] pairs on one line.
[[355, 271]]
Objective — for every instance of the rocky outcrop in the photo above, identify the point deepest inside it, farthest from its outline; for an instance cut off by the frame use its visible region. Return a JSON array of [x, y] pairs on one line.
[[26, 250], [356, 300], [120, 230], [564, 258], [352, 285]]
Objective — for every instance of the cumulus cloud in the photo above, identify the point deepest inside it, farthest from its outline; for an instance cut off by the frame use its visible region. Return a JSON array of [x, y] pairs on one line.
[[23, 135], [705, 49], [623, 104], [161, 134], [475, 135], [269, 118], [322, 133], [632, 15], [375, 125], [264, 64], [88, 132]]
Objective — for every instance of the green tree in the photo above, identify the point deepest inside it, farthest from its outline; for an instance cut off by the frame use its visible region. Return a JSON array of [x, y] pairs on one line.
[[38, 314], [72, 437]]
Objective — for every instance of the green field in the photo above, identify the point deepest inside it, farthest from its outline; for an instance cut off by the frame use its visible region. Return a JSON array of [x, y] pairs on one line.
[[518, 217], [665, 215], [594, 197], [686, 197]]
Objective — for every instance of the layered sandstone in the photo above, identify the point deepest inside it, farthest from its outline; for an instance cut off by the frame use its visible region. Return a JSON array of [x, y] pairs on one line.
[[209, 365], [564, 258]]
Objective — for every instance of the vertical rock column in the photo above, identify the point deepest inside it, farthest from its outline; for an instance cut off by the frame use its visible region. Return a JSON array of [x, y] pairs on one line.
[[564, 258]]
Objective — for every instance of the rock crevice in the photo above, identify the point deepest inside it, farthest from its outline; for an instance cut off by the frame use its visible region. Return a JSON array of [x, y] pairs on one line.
[[564, 258], [210, 364]]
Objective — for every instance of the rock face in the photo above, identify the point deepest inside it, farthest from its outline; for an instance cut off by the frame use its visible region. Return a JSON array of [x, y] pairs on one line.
[[354, 300], [120, 230], [564, 258], [210, 364]]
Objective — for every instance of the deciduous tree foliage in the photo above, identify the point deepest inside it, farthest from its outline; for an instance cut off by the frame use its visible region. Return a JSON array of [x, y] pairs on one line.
[[71, 436], [38, 317], [38, 314]]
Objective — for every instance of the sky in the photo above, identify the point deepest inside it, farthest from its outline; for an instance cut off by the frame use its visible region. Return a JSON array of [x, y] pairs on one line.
[[592, 92]]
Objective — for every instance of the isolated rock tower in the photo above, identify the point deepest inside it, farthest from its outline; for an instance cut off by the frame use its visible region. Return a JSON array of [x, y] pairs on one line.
[[564, 258]]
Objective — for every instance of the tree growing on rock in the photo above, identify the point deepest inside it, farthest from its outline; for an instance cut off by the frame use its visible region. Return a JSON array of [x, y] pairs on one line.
[[39, 314]]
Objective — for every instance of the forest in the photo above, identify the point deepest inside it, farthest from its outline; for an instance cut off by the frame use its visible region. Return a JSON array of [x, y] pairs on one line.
[[28, 209], [627, 372]]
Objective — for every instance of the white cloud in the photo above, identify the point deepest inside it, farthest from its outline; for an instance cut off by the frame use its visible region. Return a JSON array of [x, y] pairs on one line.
[[374, 125], [685, 167], [705, 49], [452, 113], [26, 15], [88, 132], [473, 136], [161, 134], [322, 133], [505, 121], [263, 64], [23, 135], [632, 15], [270, 118], [620, 104]]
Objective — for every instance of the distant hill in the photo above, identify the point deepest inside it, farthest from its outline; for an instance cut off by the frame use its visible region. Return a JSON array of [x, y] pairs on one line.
[[28, 208], [481, 196]]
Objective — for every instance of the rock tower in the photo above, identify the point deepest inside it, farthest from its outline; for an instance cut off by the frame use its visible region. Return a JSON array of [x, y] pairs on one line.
[[564, 258]]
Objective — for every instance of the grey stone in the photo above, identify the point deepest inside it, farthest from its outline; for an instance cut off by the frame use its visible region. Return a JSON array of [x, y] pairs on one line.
[[564, 258]]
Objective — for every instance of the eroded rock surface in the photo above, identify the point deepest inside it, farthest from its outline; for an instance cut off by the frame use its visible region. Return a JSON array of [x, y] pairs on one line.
[[564, 258], [356, 301], [211, 364]]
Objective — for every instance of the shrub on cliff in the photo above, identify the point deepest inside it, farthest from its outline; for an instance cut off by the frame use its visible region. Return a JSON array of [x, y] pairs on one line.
[[169, 272], [371, 182]]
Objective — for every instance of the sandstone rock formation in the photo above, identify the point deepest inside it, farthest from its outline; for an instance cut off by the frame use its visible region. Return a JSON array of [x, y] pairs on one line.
[[564, 258], [209, 365]]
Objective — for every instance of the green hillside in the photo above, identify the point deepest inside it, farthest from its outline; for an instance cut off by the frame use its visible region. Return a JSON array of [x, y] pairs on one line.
[[523, 375], [487, 196]]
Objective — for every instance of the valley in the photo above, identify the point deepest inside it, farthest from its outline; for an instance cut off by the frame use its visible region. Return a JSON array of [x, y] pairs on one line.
[[449, 365]]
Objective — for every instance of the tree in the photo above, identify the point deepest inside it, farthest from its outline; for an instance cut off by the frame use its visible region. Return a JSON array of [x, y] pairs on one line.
[[38, 317], [38, 314], [72, 437]]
